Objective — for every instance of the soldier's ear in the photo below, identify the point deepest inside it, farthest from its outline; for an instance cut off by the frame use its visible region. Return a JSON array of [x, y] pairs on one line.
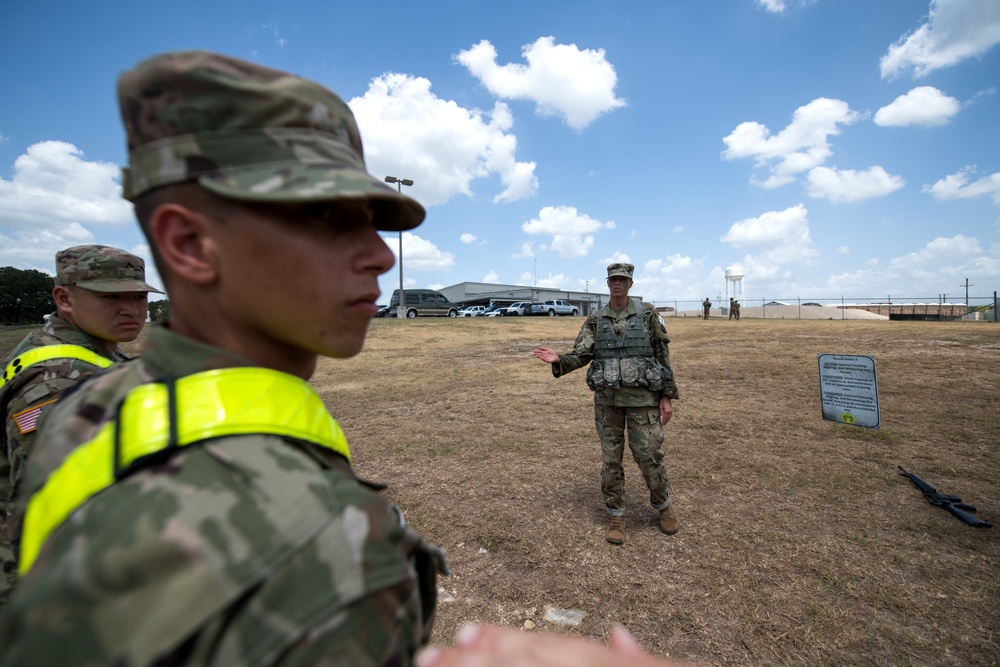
[[185, 246], [63, 298]]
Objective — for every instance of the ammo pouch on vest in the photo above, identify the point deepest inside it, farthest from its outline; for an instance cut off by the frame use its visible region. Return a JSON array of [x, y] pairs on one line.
[[614, 373]]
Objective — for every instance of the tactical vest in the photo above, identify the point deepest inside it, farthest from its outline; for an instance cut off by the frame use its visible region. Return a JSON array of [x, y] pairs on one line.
[[156, 419], [48, 352], [628, 361]]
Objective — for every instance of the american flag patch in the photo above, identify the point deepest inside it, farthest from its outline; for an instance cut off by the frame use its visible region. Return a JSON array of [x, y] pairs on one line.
[[27, 421]]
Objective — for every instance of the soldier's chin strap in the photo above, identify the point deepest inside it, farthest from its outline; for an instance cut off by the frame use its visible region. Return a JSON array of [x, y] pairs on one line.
[[48, 352], [156, 419]]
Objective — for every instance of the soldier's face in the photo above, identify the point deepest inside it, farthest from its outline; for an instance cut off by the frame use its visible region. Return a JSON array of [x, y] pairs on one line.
[[300, 281], [114, 317], [619, 285]]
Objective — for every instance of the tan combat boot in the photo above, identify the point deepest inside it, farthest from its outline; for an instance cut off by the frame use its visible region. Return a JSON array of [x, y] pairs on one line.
[[616, 530], [668, 522]]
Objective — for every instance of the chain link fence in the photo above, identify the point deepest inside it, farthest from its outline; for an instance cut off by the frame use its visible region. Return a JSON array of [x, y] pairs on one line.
[[925, 308]]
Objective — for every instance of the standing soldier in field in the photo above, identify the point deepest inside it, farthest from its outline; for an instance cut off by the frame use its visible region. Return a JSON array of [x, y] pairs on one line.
[[732, 307], [100, 295], [707, 305], [736, 309], [626, 347], [197, 505]]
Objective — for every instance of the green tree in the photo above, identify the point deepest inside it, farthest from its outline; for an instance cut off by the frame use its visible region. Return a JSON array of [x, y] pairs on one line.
[[25, 295], [159, 310]]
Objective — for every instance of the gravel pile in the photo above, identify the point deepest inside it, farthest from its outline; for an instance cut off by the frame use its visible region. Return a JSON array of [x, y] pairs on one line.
[[792, 313]]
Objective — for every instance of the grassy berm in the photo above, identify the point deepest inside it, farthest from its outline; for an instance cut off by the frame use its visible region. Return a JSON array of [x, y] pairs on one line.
[[799, 542]]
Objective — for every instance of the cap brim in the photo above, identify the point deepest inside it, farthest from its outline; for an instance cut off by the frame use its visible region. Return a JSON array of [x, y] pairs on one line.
[[117, 286], [298, 182]]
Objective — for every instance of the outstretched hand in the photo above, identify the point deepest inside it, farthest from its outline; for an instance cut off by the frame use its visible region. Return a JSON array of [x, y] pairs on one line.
[[546, 355], [492, 646]]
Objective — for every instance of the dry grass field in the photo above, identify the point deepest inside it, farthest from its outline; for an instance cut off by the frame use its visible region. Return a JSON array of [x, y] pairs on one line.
[[799, 542]]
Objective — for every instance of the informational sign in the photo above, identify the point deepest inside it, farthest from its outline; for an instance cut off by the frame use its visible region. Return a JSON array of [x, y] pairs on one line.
[[848, 389]]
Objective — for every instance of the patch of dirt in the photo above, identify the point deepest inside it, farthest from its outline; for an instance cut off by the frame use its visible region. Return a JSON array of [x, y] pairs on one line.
[[799, 541]]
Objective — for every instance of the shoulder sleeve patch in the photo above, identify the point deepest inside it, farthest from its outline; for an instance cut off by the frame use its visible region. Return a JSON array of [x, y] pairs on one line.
[[27, 420]]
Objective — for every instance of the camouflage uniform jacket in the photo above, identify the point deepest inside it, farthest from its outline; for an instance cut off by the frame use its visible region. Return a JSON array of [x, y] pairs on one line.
[[583, 354], [243, 550], [37, 385]]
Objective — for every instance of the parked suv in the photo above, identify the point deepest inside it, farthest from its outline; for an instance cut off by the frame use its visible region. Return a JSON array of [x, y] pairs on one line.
[[518, 308], [424, 302], [472, 311]]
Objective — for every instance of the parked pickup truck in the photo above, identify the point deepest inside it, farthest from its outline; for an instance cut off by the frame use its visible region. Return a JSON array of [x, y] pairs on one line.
[[554, 307]]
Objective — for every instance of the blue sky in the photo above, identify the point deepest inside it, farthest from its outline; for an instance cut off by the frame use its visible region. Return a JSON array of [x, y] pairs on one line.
[[828, 147]]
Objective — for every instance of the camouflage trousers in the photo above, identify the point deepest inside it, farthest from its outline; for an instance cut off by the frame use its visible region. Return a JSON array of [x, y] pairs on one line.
[[8, 561], [645, 440]]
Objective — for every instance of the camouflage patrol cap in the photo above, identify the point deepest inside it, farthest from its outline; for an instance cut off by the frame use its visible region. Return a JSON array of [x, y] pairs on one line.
[[248, 133], [101, 268], [620, 269]]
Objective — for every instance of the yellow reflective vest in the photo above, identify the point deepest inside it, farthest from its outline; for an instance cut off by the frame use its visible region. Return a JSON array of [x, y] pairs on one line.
[[157, 418], [47, 352]]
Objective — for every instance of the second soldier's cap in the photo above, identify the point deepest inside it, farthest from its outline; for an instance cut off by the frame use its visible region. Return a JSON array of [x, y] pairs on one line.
[[620, 269], [101, 268], [249, 133]]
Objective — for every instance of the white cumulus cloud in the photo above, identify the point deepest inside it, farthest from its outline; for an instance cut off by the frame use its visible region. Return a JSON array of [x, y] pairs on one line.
[[411, 133], [801, 146], [53, 185], [773, 6], [957, 186], [776, 236], [847, 185], [467, 238], [942, 262], [924, 105], [52, 200], [419, 254], [954, 30], [617, 257], [572, 232], [561, 79]]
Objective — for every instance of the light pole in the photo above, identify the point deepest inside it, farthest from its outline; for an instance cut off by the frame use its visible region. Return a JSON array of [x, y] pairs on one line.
[[401, 307]]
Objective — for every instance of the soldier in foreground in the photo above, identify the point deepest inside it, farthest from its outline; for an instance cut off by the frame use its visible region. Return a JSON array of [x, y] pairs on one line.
[[100, 295], [626, 347], [197, 505]]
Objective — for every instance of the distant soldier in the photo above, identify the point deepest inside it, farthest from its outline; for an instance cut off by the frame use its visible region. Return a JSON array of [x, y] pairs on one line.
[[626, 347], [707, 305], [732, 307], [101, 299], [736, 309]]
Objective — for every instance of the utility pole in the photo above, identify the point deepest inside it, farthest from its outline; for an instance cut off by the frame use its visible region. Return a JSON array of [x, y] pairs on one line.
[[967, 286], [401, 308]]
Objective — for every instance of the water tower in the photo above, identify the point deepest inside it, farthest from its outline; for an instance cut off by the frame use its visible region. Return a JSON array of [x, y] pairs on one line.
[[734, 284]]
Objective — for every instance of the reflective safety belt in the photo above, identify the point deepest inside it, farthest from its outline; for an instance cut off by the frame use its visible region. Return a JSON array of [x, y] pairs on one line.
[[162, 417], [47, 352]]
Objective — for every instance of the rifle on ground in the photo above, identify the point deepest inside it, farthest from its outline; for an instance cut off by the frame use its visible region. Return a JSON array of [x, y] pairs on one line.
[[950, 503]]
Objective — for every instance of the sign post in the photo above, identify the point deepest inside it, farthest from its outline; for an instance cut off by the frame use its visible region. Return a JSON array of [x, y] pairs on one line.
[[849, 389]]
